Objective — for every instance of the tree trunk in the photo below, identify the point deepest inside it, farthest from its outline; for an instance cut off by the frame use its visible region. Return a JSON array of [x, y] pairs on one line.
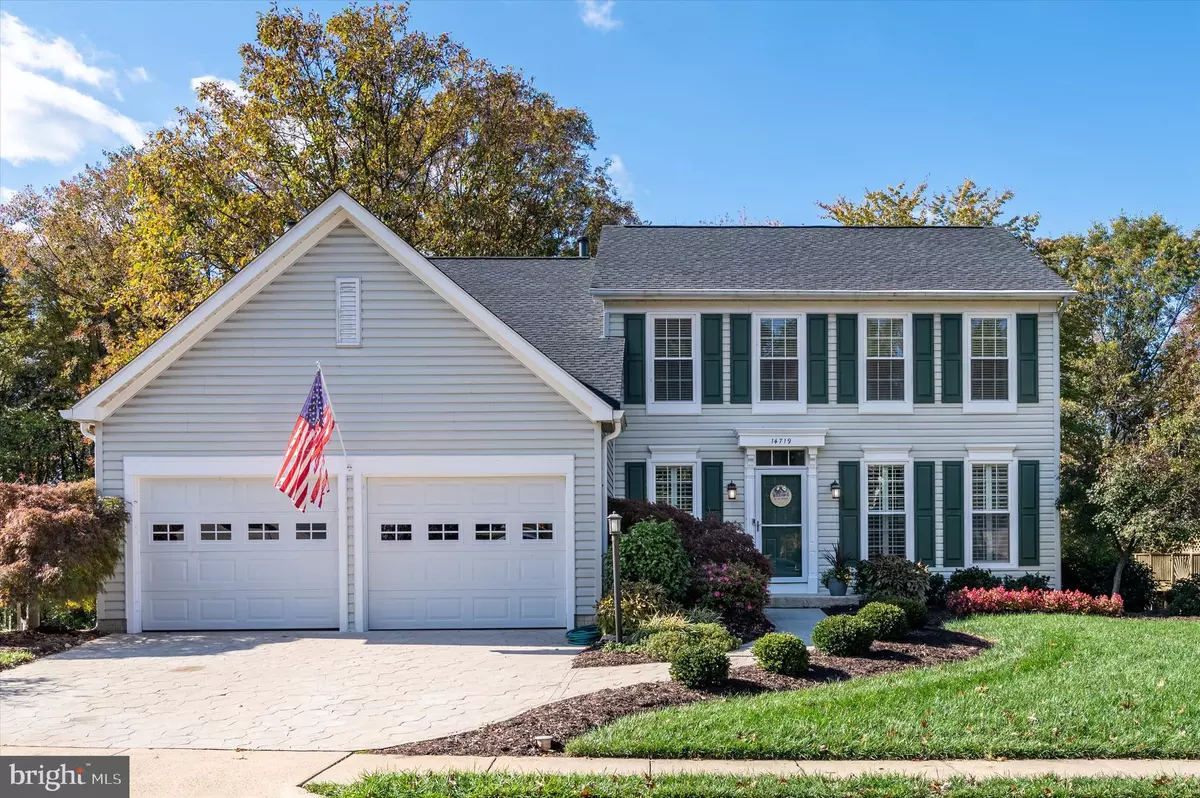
[[33, 616], [1116, 588]]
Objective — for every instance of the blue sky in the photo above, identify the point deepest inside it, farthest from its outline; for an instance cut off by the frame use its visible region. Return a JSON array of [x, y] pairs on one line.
[[1084, 110]]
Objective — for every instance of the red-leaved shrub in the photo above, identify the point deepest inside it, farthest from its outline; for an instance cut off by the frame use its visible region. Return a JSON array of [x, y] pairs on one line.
[[704, 539], [984, 601]]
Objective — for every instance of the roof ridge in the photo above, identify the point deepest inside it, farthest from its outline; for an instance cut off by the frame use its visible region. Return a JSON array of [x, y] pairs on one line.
[[808, 226]]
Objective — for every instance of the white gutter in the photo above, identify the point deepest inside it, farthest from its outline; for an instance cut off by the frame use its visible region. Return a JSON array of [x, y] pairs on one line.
[[770, 293]]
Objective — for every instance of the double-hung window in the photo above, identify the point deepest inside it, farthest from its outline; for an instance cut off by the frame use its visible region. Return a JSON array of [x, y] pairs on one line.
[[991, 542], [991, 370], [672, 473], [672, 366], [779, 374], [885, 368], [887, 516]]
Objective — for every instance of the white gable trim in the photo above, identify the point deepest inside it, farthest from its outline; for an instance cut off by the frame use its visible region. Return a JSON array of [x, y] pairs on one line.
[[315, 226]]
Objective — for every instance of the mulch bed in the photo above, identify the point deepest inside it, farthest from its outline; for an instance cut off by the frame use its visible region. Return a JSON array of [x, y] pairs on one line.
[[573, 716], [43, 644], [597, 657]]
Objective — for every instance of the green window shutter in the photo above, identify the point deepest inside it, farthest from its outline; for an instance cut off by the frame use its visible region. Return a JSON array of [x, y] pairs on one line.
[[923, 510], [818, 359], [953, 535], [952, 358], [923, 358], [635, 481], [739, 358], [1029, 506], [1027, 357], [635, 358], [713, 485], [848, 510], [710, 359], [847, 358]]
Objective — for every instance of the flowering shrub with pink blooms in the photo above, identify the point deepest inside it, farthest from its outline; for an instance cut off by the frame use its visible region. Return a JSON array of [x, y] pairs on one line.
[[733, 588], [984, 601]]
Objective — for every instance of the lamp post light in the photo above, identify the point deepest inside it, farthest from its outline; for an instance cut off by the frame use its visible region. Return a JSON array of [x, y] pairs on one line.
[[835, 490], [731, 491], [614, 532]]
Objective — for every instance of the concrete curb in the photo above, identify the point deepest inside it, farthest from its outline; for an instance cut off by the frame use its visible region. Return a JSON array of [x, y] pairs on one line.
[[355, 766]]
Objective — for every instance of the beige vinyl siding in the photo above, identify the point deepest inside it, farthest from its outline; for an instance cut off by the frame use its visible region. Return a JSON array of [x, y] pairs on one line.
[[425, 381], [933, 432]]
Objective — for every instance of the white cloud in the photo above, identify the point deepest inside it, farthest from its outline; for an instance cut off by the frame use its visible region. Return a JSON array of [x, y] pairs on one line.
[[41, 117], [231, 85], [620, 176], [6, 194], [138, 75], [598, 14]]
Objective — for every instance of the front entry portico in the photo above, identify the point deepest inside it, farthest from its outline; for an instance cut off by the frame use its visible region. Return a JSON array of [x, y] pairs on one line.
[[781, 468]]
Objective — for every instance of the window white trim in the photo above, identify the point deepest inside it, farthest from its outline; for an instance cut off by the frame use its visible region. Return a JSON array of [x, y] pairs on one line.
[[976, 406], [653, 406], [893, 456], [766, 407], [665, 456], [990, 455], [869, 406], [347, 321]]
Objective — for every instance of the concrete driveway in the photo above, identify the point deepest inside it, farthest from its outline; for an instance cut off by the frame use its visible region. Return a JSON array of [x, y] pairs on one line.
[[291, 691]]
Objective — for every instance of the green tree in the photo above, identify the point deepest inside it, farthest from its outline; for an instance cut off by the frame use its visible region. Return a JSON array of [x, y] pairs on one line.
[[963, 206], [1125, 366]]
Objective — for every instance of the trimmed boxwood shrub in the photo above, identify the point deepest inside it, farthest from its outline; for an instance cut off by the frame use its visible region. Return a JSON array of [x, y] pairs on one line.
[[651, 551], [842, 636], [640, 602], [713, 634], [972, 578], [1185, 596], [915, 612], [700, 666], [886, 621], [663, 646], [895, 576], [780, 652]]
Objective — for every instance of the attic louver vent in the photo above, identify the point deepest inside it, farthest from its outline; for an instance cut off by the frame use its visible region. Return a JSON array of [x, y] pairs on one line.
[[349, 311]]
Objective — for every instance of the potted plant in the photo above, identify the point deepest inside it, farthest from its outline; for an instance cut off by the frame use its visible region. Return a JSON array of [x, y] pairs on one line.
[[839, 574]]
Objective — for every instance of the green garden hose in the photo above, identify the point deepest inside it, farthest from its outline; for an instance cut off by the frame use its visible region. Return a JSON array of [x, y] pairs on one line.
[[583, 635]]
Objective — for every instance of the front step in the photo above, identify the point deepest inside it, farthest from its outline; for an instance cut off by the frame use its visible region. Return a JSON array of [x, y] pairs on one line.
[[795, 602]]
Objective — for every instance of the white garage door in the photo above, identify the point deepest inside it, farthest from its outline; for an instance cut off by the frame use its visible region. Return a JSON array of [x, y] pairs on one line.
[[466, 553], [235, 554]]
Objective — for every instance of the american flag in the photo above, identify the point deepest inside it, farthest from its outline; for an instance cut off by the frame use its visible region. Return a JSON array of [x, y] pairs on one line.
[[303, 475]]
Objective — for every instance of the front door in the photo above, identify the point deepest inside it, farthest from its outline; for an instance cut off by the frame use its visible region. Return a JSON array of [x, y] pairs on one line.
[[782, 530]]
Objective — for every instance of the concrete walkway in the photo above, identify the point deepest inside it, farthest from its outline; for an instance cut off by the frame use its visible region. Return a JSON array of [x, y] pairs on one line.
[[292, 691], [182, 773]]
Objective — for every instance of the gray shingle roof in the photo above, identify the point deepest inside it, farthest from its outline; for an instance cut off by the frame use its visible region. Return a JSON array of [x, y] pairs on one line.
[[819, 259], [546, 301]]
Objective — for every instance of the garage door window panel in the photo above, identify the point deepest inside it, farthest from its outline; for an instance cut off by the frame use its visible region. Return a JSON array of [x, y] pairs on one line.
[[167, 533], [265, 531], [311, 531], [216, 532], [491, 532], [442, 532], [537, 531], [395, 533]]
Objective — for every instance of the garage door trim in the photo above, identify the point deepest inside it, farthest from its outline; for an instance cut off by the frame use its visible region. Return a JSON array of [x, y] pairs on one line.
[[139, 468], [436, 466]]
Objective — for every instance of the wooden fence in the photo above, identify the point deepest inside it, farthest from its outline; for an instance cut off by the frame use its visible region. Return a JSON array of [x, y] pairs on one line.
[[1168, 568]]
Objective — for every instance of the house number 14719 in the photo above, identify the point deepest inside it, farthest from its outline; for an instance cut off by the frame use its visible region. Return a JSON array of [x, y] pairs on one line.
[[781, 441]]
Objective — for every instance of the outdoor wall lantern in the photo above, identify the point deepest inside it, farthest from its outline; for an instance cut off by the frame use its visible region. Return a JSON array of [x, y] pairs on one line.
[[731, 491], [835, 490]]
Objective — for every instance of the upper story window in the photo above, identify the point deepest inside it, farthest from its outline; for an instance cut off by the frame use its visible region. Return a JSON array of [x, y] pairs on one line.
[[779, 374], [674, 349], [991, 372], [884, 367], [991, 520]]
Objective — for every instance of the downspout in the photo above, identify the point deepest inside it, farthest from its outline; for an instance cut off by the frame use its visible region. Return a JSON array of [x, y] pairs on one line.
[[91, 431], [618, 428]]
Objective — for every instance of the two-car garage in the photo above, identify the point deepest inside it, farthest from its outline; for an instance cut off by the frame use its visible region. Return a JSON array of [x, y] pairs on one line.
[[218, 552]]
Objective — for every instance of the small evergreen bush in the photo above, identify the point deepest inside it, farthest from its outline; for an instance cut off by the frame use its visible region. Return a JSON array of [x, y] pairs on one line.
[[935, 596], [700, 667], [1185, 596], [842, 636], [652, 551], [886, 621], [713, 634], [972, 578], [663, 646], [891, 575], [916, 612], [779, 652], [1030, 581]]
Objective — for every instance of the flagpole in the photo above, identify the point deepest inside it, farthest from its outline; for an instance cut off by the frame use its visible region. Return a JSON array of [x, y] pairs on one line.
[[336, 426]]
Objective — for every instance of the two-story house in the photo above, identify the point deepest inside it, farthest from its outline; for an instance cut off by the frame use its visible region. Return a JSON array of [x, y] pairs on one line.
[[891, 389]]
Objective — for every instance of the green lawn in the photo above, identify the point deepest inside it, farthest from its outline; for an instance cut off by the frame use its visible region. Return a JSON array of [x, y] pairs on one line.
[[1052, 686], [495, 785]]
